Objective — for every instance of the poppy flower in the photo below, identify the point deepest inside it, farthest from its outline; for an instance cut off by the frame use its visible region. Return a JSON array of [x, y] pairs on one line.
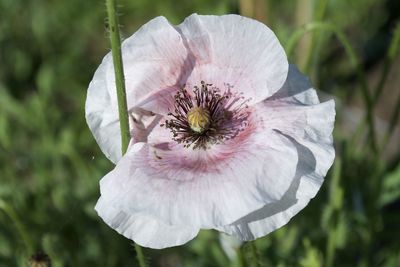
[[226, 134]]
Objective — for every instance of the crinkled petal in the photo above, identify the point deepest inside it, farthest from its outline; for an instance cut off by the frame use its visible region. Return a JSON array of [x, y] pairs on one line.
[[235, 50], [102, 114], [309, 127], [265, 220], [203, 188], [248, 186], [296, 90], [160, 58], [144, 230], [155, 61], [275, 215]]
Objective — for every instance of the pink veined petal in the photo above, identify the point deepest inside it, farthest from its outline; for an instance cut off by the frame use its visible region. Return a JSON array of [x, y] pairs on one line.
[[144, 230], [308, 180], [229, 49], [159, 58], [248, 186], [309, 125], [202, 188], [155, 61], [235, 50]]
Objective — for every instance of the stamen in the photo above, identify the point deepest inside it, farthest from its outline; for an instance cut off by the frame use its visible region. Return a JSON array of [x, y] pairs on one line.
[[205, 116]]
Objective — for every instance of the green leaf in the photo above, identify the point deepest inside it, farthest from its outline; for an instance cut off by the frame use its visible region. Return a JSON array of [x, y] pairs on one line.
[[390, 188]]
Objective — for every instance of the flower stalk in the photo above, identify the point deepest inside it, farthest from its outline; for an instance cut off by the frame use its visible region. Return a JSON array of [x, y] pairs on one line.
[[119, 73], [121, 93], [255, 254]]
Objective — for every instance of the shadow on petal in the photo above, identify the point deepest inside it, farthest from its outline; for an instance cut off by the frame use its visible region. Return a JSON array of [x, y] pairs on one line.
[[162, 101], [296, 84], [305, 166]]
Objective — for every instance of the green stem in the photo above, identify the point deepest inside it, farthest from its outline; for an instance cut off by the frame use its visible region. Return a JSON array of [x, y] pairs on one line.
[[18, 225], [249, 255], [140, 256], [388, 62], [320, 11], [119, 73], [382, 80], [336, 205], [392, 124], [255, 254], [390, 56], [241, 257], [353, 59], [330, 248], [121, 93]]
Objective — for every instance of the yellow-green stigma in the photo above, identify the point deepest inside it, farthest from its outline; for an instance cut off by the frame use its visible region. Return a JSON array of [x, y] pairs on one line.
[[199, 119]]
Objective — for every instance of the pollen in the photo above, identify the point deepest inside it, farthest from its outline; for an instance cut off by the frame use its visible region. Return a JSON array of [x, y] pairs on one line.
[[199, 119]]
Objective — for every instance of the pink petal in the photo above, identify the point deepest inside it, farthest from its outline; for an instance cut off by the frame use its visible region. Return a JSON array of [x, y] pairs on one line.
[[159, 58], [296, 114], [155, 59], [182, 186], [154, 62], [235, 50]]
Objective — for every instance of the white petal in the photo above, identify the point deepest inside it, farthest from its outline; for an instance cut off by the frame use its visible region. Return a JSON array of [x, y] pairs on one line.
[[203, 188], [156, 62], [144, 230], [154, 59], [102, 114], [297, 89], [308, 180], [310, 130], [236, 50], [265, 220], [159, 58]]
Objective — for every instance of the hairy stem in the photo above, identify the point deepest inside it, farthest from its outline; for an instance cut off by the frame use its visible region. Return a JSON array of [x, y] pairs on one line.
[[121, 94], [119, 73]]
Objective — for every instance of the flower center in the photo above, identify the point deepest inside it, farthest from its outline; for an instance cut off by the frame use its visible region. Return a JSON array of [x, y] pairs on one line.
[[206, 116], [198, 119]]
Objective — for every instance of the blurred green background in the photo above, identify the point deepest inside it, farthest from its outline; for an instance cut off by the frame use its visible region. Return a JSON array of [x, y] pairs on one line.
[[50, 164]]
